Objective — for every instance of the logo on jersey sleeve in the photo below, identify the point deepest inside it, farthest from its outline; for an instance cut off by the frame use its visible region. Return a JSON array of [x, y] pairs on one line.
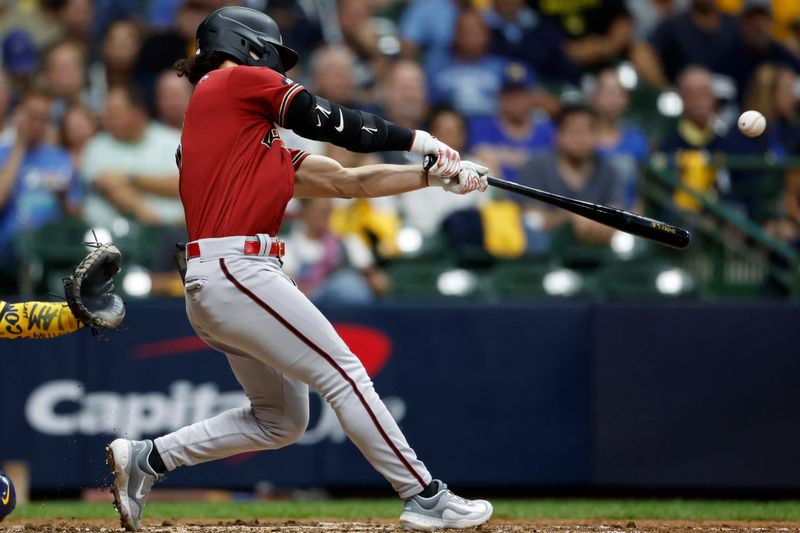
[[271, 136], [287, 81]]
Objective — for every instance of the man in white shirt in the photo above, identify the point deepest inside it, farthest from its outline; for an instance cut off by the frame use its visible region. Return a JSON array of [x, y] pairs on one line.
[[131, 166]]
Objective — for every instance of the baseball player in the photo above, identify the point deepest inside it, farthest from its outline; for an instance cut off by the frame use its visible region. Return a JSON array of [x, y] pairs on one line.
[[236, 179], [90, 301]]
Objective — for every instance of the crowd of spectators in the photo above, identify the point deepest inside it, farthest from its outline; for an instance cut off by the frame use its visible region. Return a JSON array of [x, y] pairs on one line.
[[540, 91]]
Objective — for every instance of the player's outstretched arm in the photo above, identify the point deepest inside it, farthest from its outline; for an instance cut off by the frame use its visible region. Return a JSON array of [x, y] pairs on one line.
[[316, 118], [320, 176], [36, 320]]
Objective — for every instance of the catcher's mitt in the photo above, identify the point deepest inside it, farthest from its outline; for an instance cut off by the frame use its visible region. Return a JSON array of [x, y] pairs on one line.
[[90, 289]]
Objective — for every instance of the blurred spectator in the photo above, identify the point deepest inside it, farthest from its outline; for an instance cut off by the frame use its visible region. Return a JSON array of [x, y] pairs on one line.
[[573, 169], [19, 58], [786, 28], [120, 49], [428, 28], [38, 183], [172, 99], [470, 78], [76, 18], [625, 146], [131, 166], [520, 34], [360, 33], [304, 25], [78, 126], [328, 269], [425, 209], [505, 141], [6, 127], [773, 93], [695, 129], [39, 19], [405, 103], [161, 14], [333, 76], [698, 36], [755, 47], [161, 49], [598, 33], [647, 14], [65, 77]]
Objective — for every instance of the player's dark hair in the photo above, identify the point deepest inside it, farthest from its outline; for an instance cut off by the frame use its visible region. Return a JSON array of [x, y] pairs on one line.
[[197, 66]]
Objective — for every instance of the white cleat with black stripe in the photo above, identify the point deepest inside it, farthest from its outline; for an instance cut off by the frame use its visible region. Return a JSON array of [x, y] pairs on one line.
[[444, 510], [133, 479]]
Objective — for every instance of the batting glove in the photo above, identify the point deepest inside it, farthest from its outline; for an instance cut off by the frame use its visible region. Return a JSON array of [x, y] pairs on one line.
[[471, 177], [438, 158]]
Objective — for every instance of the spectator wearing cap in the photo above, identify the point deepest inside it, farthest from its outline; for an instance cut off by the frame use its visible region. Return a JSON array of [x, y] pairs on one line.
[[755, 47], [131, 166], [573, 169], [624, 145], [470, 78], [505, 141], [520, 34], [19, 58], [597, 33], [38, 182]]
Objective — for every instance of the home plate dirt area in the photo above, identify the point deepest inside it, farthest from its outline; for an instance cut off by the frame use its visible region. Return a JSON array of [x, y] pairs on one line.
[[303, 526]]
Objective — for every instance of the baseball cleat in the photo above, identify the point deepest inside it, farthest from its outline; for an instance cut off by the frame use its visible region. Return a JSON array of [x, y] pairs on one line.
[[133, 479], [444, 510]]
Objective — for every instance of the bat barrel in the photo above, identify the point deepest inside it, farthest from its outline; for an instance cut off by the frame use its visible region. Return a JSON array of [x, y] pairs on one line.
[[638, 225]]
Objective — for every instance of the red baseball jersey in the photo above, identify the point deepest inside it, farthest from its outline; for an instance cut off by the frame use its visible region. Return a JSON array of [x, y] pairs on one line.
[[236, 177]]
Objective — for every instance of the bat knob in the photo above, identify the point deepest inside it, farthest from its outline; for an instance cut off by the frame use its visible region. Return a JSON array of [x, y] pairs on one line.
[[429, 160]]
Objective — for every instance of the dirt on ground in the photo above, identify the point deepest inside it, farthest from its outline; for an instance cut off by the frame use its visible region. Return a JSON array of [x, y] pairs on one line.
[[495, 526]]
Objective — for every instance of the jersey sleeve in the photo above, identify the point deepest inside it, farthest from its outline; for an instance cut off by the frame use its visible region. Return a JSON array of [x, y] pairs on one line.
[[297, 157], [262, 91]]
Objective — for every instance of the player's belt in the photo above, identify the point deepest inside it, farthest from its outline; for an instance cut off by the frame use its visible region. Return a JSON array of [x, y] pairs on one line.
[[252, 246]]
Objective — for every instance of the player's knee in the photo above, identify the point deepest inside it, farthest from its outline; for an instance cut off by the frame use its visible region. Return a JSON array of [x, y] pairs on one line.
[[286, 429]]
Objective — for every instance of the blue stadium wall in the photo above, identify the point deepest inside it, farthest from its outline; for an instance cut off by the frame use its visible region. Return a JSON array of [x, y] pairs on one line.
[[552, 395]]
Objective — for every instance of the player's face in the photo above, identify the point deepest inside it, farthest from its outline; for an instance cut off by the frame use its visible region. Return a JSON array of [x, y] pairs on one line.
[[576, 137]]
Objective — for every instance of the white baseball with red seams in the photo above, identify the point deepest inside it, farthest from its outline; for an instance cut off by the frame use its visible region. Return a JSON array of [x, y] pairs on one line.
[[752, 123]]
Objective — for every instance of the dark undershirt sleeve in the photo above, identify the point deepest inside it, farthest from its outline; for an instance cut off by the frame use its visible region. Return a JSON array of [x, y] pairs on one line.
[[316, 118]]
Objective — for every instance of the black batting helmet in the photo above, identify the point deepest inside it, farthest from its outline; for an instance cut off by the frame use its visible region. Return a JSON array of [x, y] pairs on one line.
[[241, 32]]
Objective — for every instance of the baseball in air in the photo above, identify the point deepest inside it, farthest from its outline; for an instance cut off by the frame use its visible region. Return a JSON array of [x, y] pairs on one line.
[[752, 123]]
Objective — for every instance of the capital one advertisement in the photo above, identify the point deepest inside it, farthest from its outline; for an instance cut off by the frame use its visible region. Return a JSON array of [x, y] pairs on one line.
[[483, 398]]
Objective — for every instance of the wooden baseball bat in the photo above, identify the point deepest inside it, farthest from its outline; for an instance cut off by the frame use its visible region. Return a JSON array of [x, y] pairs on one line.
[[638, 225]]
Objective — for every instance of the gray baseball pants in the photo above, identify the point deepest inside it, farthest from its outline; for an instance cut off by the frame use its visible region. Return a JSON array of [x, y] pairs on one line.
[[278, 344]]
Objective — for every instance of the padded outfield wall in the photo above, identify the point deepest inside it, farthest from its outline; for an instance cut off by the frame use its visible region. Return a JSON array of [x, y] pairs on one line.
[[548, 395]]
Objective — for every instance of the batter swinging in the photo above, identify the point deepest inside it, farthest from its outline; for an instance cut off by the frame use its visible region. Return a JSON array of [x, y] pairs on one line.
[[236, 179]]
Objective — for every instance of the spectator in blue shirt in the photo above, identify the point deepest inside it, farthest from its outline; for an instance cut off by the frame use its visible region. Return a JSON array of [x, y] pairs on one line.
[[470, 78], [426, 29], [624, 145], [505, 141], [38, 182]]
